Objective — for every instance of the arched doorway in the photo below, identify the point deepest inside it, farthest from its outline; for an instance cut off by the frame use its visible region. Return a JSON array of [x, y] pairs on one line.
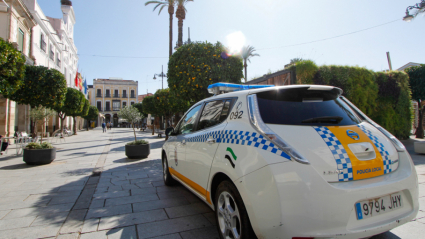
[[107, 118], [115, 120]]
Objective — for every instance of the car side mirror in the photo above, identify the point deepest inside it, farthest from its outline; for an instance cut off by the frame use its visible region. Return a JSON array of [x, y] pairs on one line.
[[169, 131]]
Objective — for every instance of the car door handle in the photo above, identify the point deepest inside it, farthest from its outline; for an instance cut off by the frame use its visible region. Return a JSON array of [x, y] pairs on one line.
[[211, 141]]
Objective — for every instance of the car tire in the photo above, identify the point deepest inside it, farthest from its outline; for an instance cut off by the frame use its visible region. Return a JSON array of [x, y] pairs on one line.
[[168, 180], [230, 213]]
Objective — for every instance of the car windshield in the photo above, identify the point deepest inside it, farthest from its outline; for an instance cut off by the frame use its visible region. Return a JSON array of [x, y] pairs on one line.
[[301, 106]]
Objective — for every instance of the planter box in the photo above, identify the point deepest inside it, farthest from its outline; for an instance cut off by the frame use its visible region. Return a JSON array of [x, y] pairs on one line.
[[137, 151], [419, 147], [39, 156]]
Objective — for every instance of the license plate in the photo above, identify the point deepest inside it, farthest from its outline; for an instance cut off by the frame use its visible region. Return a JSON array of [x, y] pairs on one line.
[[376, 206]]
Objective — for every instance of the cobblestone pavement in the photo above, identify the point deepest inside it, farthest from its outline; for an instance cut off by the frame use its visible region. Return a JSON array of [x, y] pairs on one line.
[[129, 200]]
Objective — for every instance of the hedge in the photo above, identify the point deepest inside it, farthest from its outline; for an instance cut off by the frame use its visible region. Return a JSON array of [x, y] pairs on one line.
[[384, 96]]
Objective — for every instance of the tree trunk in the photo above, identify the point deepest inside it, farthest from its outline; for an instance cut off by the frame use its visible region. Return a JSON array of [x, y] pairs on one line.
[[88, 125], [153, 126], [62, 122], [420, 130], [75, 125], [180, 41], [245, 66], [171, 12], [134, 131]]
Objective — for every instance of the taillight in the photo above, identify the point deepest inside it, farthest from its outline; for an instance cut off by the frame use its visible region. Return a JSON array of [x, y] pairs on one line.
[[257, 122]]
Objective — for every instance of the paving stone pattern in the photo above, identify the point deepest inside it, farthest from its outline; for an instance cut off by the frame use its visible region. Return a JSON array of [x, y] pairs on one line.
[[66, 200]]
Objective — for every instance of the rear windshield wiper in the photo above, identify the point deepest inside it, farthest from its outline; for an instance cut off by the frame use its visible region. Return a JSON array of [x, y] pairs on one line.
[[326, 119]]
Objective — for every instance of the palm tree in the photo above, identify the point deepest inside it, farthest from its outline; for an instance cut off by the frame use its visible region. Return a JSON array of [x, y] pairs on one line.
[[181, 15], [162, 4], [247, 53]]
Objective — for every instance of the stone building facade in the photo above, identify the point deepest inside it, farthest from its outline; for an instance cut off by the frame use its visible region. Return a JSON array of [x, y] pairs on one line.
[[110, 95]]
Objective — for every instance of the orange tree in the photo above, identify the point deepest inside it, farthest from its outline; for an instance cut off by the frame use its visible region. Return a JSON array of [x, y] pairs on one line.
[[195, 66], [168, 104], [12, 68], [150, 108], [417, 84]]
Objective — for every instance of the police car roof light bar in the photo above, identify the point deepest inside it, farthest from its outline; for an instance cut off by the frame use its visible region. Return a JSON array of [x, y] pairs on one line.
[[220, 87]]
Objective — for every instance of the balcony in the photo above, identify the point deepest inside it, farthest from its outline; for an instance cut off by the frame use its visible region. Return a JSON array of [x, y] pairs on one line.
[[124, 95], [132, 96], [108, 109], [116, 109], [99, 108], [98, 95], [108, 95], [116, 95]]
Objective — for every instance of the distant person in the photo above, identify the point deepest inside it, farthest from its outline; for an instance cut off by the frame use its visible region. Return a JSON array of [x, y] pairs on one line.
[[108, 125], [104, 127]]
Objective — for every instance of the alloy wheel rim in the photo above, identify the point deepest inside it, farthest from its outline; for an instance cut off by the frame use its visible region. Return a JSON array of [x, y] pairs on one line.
[[229, 219]]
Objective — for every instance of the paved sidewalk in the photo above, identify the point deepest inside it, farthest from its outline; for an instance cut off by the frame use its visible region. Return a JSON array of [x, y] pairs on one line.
[[129, 200]]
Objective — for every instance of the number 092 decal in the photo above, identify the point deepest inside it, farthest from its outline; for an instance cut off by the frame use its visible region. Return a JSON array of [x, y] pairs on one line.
[[236, 115]]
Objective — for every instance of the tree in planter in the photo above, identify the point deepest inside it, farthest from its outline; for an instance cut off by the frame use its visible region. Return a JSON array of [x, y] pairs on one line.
[[132, 115], [40, 116], [417, 85], [72, 105], [12, 68], [139, 107], [195, 66], [82, 113], [92, 114]]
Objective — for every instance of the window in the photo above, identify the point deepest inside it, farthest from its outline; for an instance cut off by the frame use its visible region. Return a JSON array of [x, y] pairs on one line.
[[214, 113], [108, 106], [301, 106], [58, 61], [124, 104], [20, 40], [116, 93], [99, 106], [187, 124], [124, 93], [99, 93], [132, 94], [42, 43], [52, 53], [116, 105], [107, 94], [132, 103]]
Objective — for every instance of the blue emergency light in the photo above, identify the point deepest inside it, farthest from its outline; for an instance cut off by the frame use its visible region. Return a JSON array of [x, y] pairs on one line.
[[220, 87]]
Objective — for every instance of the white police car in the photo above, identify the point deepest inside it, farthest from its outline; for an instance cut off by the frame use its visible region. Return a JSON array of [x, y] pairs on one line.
[[291, 162]]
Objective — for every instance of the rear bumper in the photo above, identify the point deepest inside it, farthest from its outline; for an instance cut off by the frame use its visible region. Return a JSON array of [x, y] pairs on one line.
[[289, 199]]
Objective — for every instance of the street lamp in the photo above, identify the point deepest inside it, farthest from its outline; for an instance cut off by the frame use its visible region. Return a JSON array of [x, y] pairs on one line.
[[420, 6], [161, 75]]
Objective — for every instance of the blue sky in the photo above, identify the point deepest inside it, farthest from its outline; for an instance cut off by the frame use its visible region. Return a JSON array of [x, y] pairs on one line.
[[128, 28]]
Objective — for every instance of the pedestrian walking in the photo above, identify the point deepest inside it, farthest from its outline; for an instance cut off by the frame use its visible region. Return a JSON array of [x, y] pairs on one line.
[[104, 127], [108, 125]]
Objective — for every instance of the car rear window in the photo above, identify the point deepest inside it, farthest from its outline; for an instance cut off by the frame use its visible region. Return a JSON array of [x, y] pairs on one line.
[[301, 106]]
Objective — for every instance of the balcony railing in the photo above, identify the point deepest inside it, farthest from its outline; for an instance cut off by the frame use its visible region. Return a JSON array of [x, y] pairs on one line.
[[116, 109], [98, 95], [116, 95], [107, 95], [132, 96], [107, 109], [124, 95]]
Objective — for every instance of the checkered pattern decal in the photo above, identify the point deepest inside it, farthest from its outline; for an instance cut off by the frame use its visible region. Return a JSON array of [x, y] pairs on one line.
[[341, 157], [384, 153], [252, 139]]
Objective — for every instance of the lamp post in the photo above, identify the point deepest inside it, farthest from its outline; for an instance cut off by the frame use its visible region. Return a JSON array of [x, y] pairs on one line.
[[420, 6], [161, 75]]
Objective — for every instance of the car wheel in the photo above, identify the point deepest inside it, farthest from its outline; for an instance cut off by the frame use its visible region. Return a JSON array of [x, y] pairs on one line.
[[230, 213], [168, 180]]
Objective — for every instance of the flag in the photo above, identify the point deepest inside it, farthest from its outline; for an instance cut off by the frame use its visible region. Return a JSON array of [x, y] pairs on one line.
[[76, 80], [80, 82], [85, 86]]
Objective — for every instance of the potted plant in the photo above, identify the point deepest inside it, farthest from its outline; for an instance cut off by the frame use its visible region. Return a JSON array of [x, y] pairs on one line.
[[38, 154], [137, 148]]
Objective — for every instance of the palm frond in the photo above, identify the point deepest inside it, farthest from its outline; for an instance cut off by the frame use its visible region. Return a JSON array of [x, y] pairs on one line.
[[160, 10], [156, 2]]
